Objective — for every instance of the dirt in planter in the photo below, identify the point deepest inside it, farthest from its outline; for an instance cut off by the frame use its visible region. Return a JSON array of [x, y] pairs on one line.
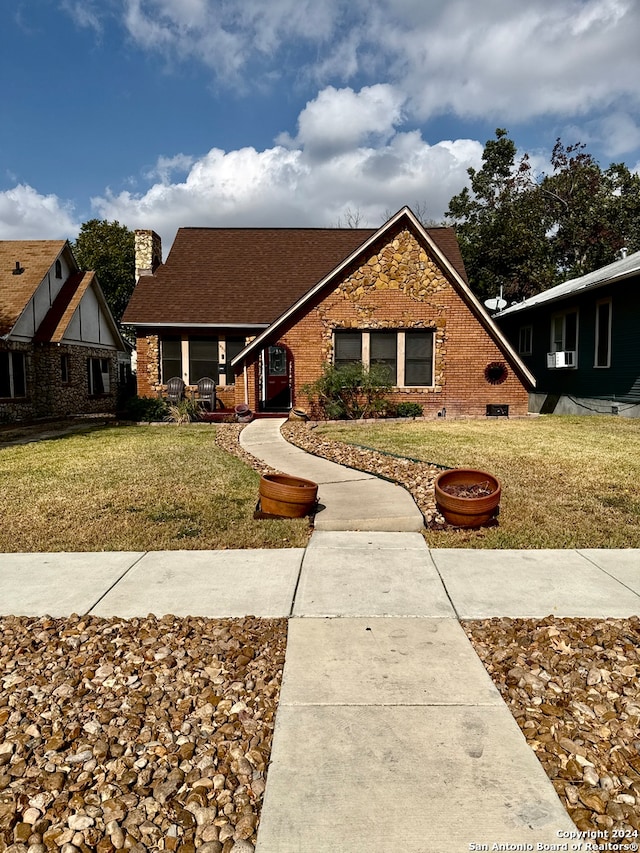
[[469, 490]]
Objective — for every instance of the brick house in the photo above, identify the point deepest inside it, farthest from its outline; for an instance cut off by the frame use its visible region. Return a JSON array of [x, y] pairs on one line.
[[60, 347], [263, 309]]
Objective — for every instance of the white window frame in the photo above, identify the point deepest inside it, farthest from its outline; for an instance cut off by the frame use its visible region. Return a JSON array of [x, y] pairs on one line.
[[599, 303], [12, 387], [400, 353], [561, 346], [525, 340], [105, 371]]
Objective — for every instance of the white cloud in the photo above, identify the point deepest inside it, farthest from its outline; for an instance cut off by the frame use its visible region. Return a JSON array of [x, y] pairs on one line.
[[25, 214], [287, 186], [341, 119], [619, 133], [511, 61]]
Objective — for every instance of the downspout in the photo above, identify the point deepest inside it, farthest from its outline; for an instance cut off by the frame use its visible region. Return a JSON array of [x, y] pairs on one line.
[[246, 382]]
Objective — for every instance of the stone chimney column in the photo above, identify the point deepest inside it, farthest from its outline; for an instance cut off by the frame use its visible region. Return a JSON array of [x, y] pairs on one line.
[[148, 251]]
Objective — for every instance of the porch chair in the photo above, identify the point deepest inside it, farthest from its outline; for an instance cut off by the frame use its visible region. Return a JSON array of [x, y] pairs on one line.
[[206, 393], [175, 389]]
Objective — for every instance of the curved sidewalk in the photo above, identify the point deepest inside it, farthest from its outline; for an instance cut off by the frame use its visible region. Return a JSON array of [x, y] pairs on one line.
[[348, 499]]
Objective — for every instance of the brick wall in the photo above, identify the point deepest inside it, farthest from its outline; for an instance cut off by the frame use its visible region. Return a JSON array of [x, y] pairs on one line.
[[399, 286]]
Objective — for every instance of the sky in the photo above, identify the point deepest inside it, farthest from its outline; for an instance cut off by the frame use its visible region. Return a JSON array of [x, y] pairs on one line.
[[168, 113]]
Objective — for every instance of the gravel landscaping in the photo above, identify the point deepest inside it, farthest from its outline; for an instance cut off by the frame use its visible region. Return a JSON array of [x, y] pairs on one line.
[[140, 734], [572, 686]]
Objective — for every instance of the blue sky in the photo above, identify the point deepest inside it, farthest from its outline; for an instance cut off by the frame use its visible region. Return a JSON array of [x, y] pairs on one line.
[[162, 113]]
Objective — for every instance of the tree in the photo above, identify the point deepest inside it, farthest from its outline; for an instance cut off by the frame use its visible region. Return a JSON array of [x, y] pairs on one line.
[[525, 233], [500, 225], [108, 248]]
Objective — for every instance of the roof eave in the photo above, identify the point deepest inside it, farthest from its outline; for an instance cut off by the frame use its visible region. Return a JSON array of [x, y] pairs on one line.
[[526, 305], [161, 324]]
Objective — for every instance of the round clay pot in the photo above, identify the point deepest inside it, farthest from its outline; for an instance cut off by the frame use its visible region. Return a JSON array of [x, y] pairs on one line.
[[287, 496], [463, 511]]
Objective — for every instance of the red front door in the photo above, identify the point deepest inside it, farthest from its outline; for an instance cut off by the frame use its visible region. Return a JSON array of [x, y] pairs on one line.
[[277, 378]]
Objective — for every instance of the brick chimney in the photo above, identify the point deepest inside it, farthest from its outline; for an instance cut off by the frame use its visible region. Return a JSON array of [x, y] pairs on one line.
[[148, 248]]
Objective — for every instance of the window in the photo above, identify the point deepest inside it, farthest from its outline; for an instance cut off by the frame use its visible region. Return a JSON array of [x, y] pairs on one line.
[[98, 376], [564, 331], [347, 348], [603, 334], [383, 351], [171, 358], [65, 376], [12, 375], [58, 269], [203, 359], [525, 340], [418, 358], [234, 346], [408, 355]]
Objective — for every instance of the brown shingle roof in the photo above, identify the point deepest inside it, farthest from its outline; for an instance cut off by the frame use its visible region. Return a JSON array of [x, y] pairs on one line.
[[36, 258], [248, 275], [56, 322]]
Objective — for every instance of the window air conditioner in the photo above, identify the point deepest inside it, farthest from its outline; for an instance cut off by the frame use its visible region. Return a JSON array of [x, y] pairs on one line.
[[567, 358]]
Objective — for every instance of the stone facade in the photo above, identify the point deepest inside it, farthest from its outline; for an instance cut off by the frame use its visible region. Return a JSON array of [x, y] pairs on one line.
[[48, 395], [148, 252], [399, 286]]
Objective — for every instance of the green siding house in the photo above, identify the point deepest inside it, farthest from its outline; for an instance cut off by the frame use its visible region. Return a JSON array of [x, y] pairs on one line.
[[580, 340]]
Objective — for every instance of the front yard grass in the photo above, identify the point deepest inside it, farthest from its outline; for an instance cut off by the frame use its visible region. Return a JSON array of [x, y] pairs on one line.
[[567, 482], [134, 488]]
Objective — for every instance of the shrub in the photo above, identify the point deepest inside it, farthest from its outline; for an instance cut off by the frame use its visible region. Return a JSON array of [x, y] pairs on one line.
[[409, 410], [144, 409], [351, 392], [183, 412]]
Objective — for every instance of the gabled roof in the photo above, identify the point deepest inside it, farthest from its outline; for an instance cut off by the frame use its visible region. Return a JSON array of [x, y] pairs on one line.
[[35, 259], [617, 271], [55, 324], [248, 276], [427, 237]]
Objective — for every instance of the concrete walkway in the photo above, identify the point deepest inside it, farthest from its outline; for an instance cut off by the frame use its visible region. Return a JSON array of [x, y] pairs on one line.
[[348, 499], [390, 735]]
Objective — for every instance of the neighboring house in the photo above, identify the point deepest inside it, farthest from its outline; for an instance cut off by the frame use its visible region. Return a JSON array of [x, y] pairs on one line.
[[580, 340], [263, 309], [59, 344]]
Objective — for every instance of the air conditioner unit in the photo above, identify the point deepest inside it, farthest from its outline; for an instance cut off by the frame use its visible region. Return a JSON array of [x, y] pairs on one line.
[[566, 358]]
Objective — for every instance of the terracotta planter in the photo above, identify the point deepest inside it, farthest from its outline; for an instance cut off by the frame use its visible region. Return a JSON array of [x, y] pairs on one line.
[[286, 496], [467, 511]]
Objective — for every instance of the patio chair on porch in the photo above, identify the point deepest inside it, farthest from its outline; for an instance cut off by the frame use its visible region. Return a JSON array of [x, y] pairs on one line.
[[205, 395], [175, 389]]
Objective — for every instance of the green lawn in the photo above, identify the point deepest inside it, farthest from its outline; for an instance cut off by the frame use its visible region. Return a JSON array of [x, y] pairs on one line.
[[134, 488], [568, 482]]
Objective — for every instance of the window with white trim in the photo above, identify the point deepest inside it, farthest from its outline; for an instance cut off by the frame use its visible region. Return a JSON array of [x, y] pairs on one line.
[[171, 358], [603, 334], [233, 347], [564, 331], [525, 340], [203, 359], [12, 375], [407, 353], [98, 376]]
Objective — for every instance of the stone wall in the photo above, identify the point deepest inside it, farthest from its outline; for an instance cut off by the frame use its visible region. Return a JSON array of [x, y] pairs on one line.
[[148, 252], [48, 395]]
